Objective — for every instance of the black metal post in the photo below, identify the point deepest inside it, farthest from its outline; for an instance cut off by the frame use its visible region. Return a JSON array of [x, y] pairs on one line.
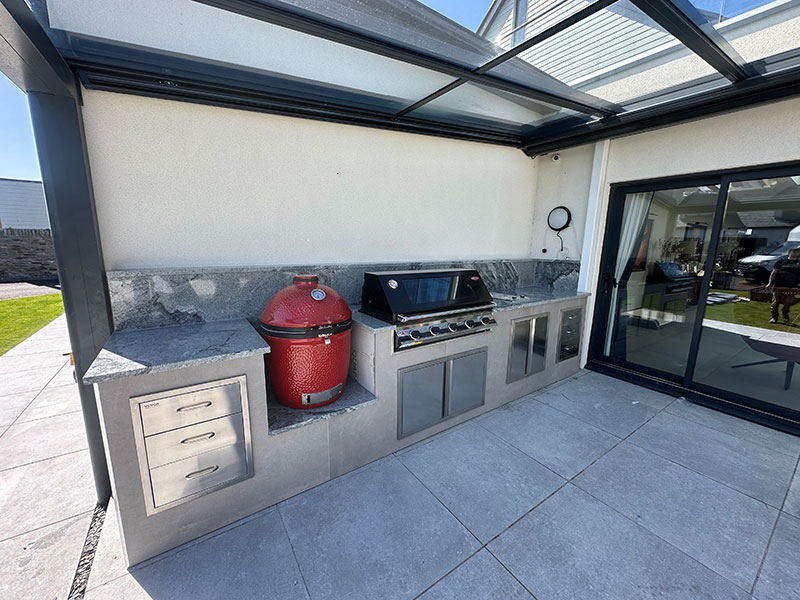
[[60, 144]]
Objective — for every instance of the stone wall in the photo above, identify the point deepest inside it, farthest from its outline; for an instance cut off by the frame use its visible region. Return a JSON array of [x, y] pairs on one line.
[[27, 255]]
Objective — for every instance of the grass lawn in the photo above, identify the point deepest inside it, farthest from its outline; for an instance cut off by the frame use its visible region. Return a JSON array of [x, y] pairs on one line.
[[754, 314], [22, 317]]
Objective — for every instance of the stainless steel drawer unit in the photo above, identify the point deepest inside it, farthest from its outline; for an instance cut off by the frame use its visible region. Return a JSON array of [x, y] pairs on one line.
[[569, 338], [192, 441]]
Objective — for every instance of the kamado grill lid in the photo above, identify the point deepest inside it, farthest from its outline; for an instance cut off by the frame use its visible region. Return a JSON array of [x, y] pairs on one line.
[[306, 307]]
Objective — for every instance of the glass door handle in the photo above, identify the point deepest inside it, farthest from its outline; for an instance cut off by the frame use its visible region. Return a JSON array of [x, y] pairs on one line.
[[608, 282]]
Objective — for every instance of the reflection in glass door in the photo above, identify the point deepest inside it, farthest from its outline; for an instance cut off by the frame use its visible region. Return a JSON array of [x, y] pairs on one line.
[[654, 285], [750, 337]]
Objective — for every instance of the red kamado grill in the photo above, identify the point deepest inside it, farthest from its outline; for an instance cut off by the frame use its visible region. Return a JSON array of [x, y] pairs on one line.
[[307, 326]]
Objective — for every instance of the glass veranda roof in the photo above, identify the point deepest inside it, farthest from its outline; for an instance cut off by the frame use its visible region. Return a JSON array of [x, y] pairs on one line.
[[534, 70]]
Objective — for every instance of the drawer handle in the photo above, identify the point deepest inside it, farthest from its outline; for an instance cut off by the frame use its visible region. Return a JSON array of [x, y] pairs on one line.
[[569, 330], [199, 438], [202, 472], [570, 317], [194, 406]]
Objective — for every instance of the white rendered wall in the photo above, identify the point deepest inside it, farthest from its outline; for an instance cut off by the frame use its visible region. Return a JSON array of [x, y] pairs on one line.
[[562, 182], [180, 184]]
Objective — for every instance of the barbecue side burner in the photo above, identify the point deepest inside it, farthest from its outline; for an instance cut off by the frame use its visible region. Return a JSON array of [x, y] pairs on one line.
[[428, 306]]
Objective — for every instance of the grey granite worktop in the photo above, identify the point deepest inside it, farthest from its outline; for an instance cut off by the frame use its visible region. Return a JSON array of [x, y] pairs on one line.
[[533, 296], [138, 351], [282, 418]]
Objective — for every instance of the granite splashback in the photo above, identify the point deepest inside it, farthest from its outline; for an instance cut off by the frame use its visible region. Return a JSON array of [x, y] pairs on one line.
[[159, 297]]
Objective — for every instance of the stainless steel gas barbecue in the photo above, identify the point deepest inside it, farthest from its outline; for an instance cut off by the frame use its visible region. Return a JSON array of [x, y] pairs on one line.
[[428, 306]]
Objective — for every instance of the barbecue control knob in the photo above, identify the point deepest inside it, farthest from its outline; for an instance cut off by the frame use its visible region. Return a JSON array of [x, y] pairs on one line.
[[435, 330], [485, 320], [414, 334], [452, 327], [470, 324]]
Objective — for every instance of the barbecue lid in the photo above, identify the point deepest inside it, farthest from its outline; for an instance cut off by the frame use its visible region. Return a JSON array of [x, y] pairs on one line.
[[305, 304], [391, 295]]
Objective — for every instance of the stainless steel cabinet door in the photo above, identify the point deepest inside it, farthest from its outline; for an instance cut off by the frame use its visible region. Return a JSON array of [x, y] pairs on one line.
[[518, 351], [421, 397], [466, 383]]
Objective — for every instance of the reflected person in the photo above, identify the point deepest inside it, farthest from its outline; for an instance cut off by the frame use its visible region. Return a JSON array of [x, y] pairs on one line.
[[783, 282]]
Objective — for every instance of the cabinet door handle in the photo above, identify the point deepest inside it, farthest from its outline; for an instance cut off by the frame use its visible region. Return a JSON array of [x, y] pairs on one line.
[[202, 472], [199, 438], [205, 404]]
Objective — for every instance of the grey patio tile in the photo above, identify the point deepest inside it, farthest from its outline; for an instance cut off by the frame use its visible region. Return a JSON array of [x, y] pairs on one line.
[[755, 470], [745, 430], [27, 362], [557, 440], [724, 529], [36, 345], [41, 564], [45, 492], [780, 575], [52, 401], [64, 376], [253, 560], [617, 415], [11, 406], [26, 381], [792, 504], [596, 384], [483, 481], [376, 534], [574, 546], [25, 443], [479, 578]]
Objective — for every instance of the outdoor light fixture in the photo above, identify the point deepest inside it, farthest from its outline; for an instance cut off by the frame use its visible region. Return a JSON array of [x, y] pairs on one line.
[[558, 220]]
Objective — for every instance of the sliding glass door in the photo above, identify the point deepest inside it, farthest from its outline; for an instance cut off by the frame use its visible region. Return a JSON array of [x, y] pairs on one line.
[[750, 335], [655, 284], [699, 284]]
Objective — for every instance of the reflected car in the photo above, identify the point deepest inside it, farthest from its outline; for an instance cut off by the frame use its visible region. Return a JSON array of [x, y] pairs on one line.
[[757, 268]]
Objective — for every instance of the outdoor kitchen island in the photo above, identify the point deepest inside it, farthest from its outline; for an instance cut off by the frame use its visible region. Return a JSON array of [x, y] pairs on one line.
[[218, 424]]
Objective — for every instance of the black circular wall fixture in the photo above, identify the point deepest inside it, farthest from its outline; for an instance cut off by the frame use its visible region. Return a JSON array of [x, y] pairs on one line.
[[559, 218]]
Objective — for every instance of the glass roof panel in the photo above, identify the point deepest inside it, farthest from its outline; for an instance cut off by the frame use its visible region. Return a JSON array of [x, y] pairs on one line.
[[187, 31], [476, 105], [755, 29], [617, 54], [406, 23]]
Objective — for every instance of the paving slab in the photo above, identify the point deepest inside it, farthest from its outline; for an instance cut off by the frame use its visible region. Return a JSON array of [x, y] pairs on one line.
[[745, 430], [26, 381], [376, 534], [792, 504], [780, 575], [25, 289], [596, 384], [52, 401], [574, 546], [25, 443], [42, 563], [254, 560], [750, 468], [486, 483], [64, 376], [109, 560], [560, 442], [724, 529], [618, 415], [27, 362], [481, 577], [37, 344], [12, 406], [45, 492]]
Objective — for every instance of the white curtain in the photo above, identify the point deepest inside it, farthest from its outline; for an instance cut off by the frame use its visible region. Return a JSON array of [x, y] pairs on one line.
[[637, 206]]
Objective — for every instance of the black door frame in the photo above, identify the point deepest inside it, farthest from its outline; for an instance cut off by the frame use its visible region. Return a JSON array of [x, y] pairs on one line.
[[743, 406]]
